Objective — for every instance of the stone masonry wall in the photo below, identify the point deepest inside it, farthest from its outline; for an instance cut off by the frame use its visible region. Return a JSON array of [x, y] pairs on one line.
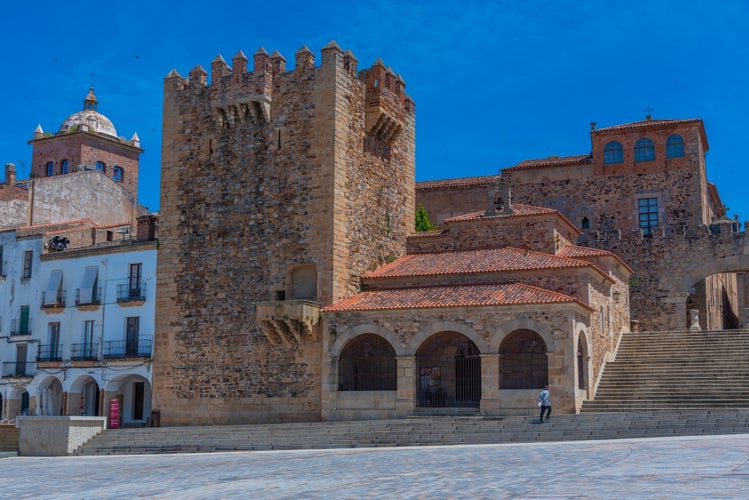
[[262, 171]]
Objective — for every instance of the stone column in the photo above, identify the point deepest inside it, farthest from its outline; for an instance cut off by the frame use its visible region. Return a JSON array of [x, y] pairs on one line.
[[489, 384], [405, 402], [694, 316], [746, 317]]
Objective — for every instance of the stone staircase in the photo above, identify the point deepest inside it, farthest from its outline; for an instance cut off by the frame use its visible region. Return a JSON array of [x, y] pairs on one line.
[[416, 431], [680, 370], [661, 384]]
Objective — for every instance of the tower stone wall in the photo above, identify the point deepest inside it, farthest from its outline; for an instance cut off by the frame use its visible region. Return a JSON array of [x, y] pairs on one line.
[[277, 187]]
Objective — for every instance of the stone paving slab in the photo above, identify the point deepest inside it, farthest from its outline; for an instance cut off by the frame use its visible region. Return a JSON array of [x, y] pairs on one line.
[[674, 467]]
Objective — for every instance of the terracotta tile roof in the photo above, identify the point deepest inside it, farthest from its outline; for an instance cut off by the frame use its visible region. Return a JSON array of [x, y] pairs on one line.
[[552, 161], [578, 252], [518, 211], [484, 180], [503, 294], [644, 124], [486, 260]]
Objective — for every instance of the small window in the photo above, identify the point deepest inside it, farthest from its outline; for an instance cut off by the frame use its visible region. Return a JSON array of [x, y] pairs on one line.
[[117, 174], [50, 168], [64, 167], [100, 166], [644, 150], [613, 153], [586, 223], [674, 146], [28, 255], [647, 209]]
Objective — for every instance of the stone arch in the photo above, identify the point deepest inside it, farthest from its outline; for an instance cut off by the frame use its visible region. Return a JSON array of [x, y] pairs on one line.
[[134, 394], [343, 338], [582, 357], [448, 367], [446, 326], [84, 396], [367, 363], [731, 264], [505, 329], [523, 360], [302, 282], [49, 397]]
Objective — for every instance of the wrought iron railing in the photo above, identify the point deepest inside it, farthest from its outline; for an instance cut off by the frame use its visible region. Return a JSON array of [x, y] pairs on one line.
[[95, 297], [49, 352], [84, 352], [18, 328], [127, 292], [58, 302], [15, 369], [113, 349]]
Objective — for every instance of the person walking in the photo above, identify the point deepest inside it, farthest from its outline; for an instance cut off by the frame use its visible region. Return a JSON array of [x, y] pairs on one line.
[[545, 403]]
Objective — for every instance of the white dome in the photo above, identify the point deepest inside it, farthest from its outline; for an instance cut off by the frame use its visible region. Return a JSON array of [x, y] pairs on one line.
[[94, 120]]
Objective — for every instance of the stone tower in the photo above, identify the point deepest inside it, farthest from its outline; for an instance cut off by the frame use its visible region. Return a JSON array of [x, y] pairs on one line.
[[87, 140], [279, 189]]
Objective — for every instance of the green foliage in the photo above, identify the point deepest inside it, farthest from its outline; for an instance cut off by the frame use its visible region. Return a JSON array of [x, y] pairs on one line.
[[422, 220]]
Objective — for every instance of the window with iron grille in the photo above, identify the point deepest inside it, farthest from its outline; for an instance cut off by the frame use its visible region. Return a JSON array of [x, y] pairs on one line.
[[28, 256], [644, 150], [674, 146], [524, 361], [367, 363], [613, 153], [647, 212]]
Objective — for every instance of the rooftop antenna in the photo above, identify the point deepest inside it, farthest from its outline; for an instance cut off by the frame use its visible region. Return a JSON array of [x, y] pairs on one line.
[[93, 77]]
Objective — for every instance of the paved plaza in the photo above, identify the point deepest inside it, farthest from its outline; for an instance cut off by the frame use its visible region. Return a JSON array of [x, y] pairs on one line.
[[681, 467]]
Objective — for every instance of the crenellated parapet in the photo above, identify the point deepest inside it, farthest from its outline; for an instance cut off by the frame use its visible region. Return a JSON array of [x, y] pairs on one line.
[[387, 104]]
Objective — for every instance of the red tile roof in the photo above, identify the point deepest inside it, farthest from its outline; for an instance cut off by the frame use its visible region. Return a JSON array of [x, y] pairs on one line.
[[484, 180], [643, 124], [552, 161], [518, 211], [504, 294], [577, 252], [486, 260]]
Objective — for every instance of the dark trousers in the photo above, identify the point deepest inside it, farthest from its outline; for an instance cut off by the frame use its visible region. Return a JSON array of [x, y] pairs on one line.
[[546, 409]]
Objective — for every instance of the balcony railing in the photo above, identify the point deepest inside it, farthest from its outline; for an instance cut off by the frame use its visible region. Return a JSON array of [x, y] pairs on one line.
[[58, 302], [18, 328], [50, 352], [95, 297], [119, 349], [84, 352], [13, 369], [127, 292]]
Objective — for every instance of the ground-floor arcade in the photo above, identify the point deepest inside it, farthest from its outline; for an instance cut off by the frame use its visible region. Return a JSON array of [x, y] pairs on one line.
[[92, 391], [494, 361]]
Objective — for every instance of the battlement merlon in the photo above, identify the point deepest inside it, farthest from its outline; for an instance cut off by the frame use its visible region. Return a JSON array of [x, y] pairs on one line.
[[388, 107]]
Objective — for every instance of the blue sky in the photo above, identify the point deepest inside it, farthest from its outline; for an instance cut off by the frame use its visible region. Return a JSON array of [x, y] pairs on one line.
[[494, 82]]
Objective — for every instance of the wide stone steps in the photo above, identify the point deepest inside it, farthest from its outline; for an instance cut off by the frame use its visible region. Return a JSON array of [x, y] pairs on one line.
[[417, 432], [676, 371]]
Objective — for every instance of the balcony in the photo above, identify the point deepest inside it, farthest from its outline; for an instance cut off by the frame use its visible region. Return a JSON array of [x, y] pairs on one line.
[[122, 349], [14, 369], [289, 321], [82, 300], [131, 292], [18, 327], [84, 352], [56, 302], [49, 353]]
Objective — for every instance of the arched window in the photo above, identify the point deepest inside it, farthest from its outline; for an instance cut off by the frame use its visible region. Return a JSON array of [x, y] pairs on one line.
[[524, 361], [644, 150], [613, 153], [367, 363], [64, 167], [50, 168], [117, 174], [674, 146], [100, 166]]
